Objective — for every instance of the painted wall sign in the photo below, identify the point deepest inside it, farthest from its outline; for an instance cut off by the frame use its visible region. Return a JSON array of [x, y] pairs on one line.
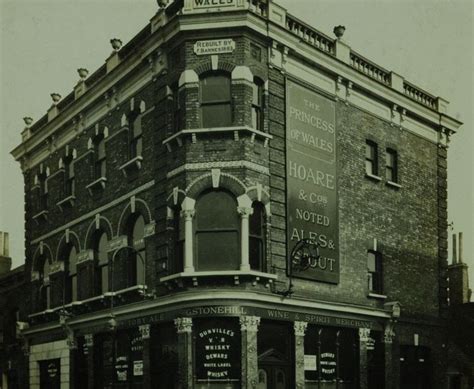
[[310, 363], [312, 210], [199, 4], [217, 351], [137, 368], [214, 46], [121, 368]]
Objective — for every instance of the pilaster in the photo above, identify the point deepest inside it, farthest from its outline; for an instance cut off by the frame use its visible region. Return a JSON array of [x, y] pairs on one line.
[[300, 330], [184, 328], [249, 328], [364, 336], [388, 340]]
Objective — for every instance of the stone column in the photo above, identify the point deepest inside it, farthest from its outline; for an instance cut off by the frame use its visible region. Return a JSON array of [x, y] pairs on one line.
[[245, 213], [89, 343], [249, 328], [184, 328], [188, 215], [391, 358], [300, 330], [364, 336], [145, 334]]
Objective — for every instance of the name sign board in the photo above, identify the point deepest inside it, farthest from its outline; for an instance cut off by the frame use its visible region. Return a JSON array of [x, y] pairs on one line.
[[214, 46], [200, 4], [311, 179], [218, 351]]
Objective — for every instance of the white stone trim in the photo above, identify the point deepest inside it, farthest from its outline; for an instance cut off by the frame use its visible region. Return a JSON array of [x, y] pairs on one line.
[[92, 213], [219, 165], [53, 350]]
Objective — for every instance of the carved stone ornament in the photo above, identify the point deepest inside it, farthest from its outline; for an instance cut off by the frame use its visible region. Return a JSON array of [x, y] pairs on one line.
[[249, 323], [183, 325], [364, 334], [89, 340], [144, 331], [300, 328], [388, 334]]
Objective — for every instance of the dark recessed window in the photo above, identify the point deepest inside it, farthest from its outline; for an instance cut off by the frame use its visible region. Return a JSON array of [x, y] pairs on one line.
[[69, 176], [71, 275], [136, 135], [45, 289], [216, 100], [100, 162], [137, 259], [178, 226], [217, 232], [257, 104], [375, 273], [371, 155], [102, 262], [391, 165], [43, 192], [177, 126], [257, 237]]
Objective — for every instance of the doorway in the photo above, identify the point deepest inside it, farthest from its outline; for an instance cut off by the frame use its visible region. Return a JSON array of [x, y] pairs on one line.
[[50, 374]]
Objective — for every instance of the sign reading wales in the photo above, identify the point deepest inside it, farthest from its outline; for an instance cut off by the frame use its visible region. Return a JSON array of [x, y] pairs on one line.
[[311, 179]]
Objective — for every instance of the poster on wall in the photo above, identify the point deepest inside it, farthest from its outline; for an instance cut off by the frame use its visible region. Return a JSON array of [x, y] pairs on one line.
[[312, 211], [218, 351]]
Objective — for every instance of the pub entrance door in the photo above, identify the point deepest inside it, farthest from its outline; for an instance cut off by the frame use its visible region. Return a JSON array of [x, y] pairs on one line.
[[50, 374], [274, 372]]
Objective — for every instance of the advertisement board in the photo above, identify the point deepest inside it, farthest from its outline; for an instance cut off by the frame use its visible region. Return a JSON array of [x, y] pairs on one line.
[[312, 209]]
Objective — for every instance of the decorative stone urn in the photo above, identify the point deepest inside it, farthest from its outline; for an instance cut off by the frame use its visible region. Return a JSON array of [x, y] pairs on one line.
[[83, 72], [56, 97], [28, 120], [339, 31], [116, 44]]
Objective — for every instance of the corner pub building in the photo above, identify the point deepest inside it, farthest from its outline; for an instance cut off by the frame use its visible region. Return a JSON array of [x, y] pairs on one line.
[[165, 194]]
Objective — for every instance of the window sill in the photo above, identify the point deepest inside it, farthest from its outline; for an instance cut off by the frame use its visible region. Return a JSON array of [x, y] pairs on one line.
[[178, 137], [98, 184], [377, 296], [393, 184], [256, 276], [131, 166], [373, 177], [66, 202], [41, 216]]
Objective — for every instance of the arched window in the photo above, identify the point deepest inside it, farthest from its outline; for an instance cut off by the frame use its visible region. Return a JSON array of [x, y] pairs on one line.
[[257, 104], [257, 236], [178, 239], [71, 274], [102, 261], [136, 135], [136, 260], [216, 100], [45, 289], [217, 232], [100, 162]]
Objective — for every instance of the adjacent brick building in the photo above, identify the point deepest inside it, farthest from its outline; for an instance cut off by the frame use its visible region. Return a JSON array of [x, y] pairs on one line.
[[241, 200]]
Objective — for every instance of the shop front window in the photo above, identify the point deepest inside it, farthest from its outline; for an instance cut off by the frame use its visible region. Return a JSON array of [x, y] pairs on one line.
[[217, 232], [333, 353]]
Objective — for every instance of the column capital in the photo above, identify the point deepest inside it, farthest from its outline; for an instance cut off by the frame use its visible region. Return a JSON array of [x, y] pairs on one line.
[[183, 325], [388, 334], [245, 211], [188, 213], [300, 328], [364, 334], [249, 323], [144, 331], [89, 340]]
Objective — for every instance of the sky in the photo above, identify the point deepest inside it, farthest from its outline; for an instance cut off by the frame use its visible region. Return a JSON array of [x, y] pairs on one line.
[[43, 42]]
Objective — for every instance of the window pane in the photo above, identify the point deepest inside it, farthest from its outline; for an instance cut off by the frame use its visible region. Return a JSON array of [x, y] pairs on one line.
[[371, 261], [217, 210], [218, 250], [256, 219], [46, 268], [369, 167], [139, 146], [389, 174], [141, 267], [137, 126], [390, 158], [369, 151], [101, 149], [215, 88], [216, 115], [72, 260], [74, 288], [102, 247], [255, 253], [104, 273]]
